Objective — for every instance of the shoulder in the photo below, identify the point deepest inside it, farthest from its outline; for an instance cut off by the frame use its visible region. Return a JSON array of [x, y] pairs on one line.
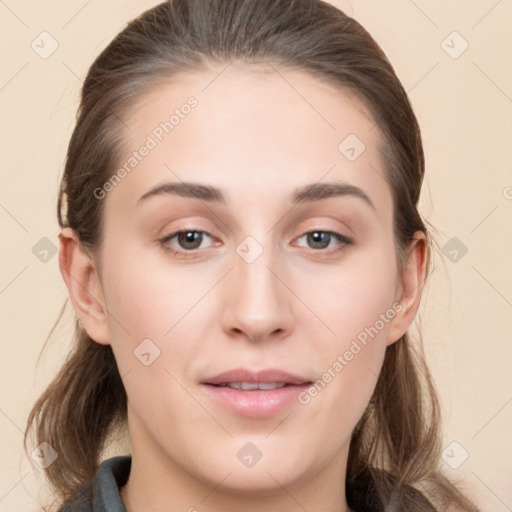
[[103, 492]]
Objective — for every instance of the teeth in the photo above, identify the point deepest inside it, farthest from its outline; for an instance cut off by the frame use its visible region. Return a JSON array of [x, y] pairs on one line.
[[254, 385]]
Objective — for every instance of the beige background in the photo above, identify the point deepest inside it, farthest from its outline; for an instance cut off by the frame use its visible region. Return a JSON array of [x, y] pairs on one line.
[[464, 106]]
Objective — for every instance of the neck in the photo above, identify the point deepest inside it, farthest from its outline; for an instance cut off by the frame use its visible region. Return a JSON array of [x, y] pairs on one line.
[[158, 483]]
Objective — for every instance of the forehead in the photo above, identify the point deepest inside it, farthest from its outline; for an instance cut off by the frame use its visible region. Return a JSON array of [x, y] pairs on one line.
[[247, 128]]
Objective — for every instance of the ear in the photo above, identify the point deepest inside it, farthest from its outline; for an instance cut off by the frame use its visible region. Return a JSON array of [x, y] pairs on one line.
[[79, 272], [409, 288]]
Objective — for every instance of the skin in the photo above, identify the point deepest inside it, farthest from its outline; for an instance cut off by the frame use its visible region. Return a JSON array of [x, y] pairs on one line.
[[296, 307]]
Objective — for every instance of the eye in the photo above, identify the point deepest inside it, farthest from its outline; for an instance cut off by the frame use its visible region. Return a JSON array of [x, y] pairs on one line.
[[188, 240], [322, 240]]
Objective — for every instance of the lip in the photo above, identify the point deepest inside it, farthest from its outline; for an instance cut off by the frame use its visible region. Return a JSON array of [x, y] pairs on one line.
[[255, 403], [267, 375]]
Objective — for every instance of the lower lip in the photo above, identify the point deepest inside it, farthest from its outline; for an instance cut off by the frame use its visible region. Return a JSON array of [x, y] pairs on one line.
[[255, 403]]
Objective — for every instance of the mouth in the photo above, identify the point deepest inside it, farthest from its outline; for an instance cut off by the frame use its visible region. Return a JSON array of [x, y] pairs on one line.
[[255, 394], [252, 386]]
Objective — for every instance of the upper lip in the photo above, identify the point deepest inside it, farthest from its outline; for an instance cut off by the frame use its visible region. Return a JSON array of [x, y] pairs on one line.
[[268, 375]]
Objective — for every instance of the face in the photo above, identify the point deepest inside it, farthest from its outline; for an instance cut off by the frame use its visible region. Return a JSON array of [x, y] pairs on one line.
[[270, 277]]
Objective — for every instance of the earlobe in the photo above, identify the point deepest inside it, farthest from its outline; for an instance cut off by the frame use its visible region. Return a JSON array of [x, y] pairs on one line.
[[411, 286], [82, 280]]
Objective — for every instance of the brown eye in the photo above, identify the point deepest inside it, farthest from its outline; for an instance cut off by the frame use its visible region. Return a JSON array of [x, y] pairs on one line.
[[320, 240], [186, 240], [190, 239]]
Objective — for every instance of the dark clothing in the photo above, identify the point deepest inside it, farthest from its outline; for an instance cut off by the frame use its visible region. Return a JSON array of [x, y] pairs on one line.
[[103, 494]]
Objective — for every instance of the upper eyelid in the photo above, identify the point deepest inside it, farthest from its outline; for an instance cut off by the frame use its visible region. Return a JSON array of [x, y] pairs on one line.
[[201, 230]]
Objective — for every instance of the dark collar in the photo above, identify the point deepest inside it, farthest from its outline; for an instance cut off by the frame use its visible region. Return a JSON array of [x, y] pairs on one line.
[[110, 477], [102, 495]]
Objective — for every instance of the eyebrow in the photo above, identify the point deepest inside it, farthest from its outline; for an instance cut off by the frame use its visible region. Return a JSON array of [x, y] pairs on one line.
[[304, 194]]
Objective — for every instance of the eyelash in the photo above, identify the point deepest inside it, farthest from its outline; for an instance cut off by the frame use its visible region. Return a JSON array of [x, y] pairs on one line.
[[342, 239]]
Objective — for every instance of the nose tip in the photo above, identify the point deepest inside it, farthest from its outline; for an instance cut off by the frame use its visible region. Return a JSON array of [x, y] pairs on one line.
[[258, 304]]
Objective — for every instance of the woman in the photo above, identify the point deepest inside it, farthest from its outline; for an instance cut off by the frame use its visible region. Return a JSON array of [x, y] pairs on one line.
[[243, 250]]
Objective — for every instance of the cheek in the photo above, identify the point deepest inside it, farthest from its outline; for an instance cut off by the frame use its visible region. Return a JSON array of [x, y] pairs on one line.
[[356, 308], [153, 309], [148, 299], [351, 298], [152, 320]]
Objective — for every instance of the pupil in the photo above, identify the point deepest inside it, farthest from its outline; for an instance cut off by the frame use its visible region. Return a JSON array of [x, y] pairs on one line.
[[317, 238], [191, 237]]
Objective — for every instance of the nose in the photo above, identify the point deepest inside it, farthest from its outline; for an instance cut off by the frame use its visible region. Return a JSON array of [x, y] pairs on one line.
[[258, 303]]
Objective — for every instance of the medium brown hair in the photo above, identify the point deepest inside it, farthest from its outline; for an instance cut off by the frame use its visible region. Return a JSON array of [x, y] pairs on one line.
[[395, 447]]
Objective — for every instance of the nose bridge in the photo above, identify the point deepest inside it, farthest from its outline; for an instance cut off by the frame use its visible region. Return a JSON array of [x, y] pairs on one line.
[[258, 302]]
